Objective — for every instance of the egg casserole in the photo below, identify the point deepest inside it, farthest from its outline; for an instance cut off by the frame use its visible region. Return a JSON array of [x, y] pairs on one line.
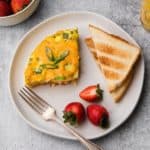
[[55, 60]]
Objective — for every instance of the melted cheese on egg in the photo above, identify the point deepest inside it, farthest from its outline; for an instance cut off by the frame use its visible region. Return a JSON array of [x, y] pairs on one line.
[[54, 60]]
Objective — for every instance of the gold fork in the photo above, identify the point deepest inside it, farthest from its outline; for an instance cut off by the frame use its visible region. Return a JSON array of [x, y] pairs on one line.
[[47, 112]]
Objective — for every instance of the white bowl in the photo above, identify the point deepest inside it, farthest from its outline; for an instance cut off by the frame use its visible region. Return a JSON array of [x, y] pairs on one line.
[[20, 16]]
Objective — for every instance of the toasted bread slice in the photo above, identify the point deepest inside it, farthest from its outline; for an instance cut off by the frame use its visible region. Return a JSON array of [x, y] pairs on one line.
[[120, 91], [116, 56]]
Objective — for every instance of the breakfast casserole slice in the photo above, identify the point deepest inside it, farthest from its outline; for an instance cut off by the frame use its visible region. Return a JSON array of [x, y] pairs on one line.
[[55, 60]]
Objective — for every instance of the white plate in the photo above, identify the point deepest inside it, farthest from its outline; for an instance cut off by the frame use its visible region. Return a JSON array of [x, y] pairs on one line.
[[61, 95]]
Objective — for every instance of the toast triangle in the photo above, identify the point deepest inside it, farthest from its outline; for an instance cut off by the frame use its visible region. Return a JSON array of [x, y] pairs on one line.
[[116, 56], [120, 91]]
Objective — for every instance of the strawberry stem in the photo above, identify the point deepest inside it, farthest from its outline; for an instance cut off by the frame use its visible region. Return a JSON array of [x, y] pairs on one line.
[[104, 122], [99, 92], [70, 118]]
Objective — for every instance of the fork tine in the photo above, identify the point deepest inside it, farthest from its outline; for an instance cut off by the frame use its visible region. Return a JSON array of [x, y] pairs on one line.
[[33, 100], [39, 99], [30, 93], [30, 103]]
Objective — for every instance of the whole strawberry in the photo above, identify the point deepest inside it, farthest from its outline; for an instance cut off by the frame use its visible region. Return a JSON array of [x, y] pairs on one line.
[[74, 113], [98, 115], [18, 5], [92, 93], [5, 8]]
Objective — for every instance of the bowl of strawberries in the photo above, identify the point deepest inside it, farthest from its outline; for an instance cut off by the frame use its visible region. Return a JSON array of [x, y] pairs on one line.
[[13, 12]]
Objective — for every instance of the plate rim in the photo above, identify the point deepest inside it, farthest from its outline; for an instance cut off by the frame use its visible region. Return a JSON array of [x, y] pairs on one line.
[[17, 49]]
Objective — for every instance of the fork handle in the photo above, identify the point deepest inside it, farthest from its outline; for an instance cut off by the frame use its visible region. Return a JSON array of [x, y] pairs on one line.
[[87, 143]]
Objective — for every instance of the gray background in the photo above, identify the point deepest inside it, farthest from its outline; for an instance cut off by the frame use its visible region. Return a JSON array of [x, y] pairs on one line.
[[134, 134]]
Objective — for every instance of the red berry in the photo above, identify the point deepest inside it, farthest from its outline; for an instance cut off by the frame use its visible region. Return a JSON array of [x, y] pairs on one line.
[[98, 115], [5, 8], [74, 113], [91, 93], [18, 5]]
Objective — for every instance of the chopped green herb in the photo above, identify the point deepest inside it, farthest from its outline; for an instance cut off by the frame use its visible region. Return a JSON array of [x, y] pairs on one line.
[[43, 66], [76, 30], [49, 54], [65, 35], [60, 78], [30, 59], [51, 66], [48, 66], [37, 58], [38, 70], [54, 59], [61, 57]]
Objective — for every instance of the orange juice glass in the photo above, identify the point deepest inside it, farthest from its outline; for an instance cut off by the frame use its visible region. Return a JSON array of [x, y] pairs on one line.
[[145, 14]]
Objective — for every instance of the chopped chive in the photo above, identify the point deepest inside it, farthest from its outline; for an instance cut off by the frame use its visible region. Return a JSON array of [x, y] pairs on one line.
[[61, 57], [30, 59], [65, 35], [48, 66], [38, 71], [51, 66], [60, 78], [49, 54], [37, 58]]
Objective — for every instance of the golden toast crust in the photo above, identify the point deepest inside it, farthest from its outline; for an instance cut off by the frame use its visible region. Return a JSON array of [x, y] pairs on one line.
[[117, 56], [120, 91]]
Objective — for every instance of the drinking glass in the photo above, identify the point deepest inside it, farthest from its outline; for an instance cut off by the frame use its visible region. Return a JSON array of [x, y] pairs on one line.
[[145, 14]]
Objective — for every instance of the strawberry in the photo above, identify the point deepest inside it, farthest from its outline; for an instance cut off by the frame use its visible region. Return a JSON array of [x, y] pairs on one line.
[[92, 93], [98, 115], [74, 113], [5, 8], [18, 5]]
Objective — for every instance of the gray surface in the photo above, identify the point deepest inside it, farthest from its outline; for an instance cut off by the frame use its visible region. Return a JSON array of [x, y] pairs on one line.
[[15, 134]]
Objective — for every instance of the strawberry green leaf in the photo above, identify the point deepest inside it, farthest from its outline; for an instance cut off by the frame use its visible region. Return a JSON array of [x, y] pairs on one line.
[[70, 117], [99, 92], [104, 122]]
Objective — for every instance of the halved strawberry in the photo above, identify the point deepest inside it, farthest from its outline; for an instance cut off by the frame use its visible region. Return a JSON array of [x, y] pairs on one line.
[[74, 113], [92, 93], [98, 115]]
